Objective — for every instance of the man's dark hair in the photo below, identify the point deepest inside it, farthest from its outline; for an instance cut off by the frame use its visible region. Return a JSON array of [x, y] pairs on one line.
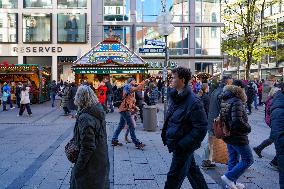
[[183, 73]]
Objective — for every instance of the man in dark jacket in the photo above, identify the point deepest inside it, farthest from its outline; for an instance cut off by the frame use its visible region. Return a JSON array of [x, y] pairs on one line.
[[53, 91], [183, 131], [109, 94], [234, 114], [214, 110], [277, 131]]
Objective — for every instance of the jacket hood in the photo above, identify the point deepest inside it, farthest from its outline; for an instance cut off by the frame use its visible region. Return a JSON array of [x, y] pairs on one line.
[[278, 101], [95, 110], [231, 91]]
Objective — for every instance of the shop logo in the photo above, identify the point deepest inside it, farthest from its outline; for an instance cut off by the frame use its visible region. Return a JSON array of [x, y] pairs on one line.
[[37, 49]]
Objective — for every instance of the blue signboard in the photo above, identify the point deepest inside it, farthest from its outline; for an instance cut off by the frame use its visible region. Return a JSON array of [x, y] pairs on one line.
[[155, 43], [151, 50]]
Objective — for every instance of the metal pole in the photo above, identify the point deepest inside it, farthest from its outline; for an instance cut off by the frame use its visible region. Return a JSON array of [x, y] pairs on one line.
[[165, 77]]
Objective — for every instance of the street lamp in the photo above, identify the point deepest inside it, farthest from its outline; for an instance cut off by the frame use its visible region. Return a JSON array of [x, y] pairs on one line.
[[165, 28]]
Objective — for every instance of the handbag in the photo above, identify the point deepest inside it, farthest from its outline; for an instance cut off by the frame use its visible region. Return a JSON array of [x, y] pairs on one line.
[[220, 128], [72, 151], [220, 151]]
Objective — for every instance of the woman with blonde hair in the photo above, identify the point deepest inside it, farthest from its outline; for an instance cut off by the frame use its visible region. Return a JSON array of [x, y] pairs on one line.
[[91, 169]]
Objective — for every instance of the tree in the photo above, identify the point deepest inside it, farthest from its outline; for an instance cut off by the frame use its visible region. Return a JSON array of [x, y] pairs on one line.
[[246, 30]]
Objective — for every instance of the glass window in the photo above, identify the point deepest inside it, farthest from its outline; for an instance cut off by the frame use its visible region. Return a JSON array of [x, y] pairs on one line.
[[65, 4], [207, 11], [275, 8], [37, 4], [178, 41], [71, 28], [118, 10], [178, 8], [8, 4], [120, 32], [8, 27], [206, 44], [36, 28]]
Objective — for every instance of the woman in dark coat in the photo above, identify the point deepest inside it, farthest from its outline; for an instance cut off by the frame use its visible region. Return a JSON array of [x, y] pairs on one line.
[[91, 170], [204, 97], [73, 91]]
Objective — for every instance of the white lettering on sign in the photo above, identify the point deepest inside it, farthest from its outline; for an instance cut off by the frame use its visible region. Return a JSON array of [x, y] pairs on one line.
[[37, 49]]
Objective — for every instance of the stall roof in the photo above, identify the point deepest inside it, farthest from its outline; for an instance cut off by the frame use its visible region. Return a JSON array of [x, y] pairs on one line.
[[110, 53]]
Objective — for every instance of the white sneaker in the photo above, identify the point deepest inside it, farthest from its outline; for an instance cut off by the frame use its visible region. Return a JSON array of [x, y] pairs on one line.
[[12, 108], [240, 185], [228, 182]]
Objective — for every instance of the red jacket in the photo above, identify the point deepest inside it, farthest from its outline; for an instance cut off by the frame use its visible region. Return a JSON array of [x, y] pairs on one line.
[[102, 89]]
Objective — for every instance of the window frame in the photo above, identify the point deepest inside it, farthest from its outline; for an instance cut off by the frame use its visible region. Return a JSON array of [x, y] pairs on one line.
[[48, 42], [17, 31], [86, 23]]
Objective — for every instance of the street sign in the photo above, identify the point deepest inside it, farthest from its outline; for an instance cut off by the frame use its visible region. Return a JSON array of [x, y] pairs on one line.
[[155, 43], [151, 50]]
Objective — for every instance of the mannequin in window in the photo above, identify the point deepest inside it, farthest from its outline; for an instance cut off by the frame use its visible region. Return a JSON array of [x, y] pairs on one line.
[[71, 27], [32, 30]]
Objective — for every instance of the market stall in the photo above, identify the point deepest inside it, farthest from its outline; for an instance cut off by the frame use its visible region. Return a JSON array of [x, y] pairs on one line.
[[36, 77], [112, 59]]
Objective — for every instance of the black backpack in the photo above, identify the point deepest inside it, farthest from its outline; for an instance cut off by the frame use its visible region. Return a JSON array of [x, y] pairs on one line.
[[118, 97]]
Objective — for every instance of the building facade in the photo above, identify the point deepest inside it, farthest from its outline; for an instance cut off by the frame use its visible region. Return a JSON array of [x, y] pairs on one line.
[[54, 33]]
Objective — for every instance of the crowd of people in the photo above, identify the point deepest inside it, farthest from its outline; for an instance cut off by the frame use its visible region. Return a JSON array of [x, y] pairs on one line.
[[192, 108]]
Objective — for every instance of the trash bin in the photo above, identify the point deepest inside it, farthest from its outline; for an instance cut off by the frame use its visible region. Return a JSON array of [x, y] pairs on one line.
[[150, 118]]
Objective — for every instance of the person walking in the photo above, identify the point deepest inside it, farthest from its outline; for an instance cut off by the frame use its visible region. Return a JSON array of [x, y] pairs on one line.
[[258, 149], [205, 99], [53, 88], [5, 99], [8, 89], [126, 109], [260, 92], [277, 131], [255, 94], [73, 91], [102, 90], [153, 94], [25, 101], [109, 94], [183, 131], [250, 92], [91, 170], [235, 117], [18, 94], [139, 102], [65, 99], [213, 112]]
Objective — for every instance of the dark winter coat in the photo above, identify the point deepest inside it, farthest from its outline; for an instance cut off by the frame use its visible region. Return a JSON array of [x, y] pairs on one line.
[[215, 105], [109, 88], [186, 122], [277, 116], [53, 88], [139, 98], [65, 96], [91, 171], [250, 92], [154, 97], [205, 99], [234, 112], [72, 94]]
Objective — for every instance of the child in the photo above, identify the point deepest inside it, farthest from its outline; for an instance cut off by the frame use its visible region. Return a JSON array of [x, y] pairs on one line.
[[5, 99]]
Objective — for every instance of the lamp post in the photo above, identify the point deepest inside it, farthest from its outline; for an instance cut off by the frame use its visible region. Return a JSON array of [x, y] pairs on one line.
[[165, 28]]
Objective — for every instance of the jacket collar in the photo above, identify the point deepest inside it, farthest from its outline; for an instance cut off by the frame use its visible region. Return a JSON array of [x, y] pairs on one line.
[[178, 98]]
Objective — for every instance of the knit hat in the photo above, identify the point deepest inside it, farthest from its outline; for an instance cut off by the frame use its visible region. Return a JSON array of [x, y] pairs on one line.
[[239, 83]]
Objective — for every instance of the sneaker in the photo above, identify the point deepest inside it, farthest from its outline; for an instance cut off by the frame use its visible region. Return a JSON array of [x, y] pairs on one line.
[[228, 182], [12, 108], [111, 111], [240, 185], [116, 143], [207, 164], [258, 152], [30, 115], [140, 146], [274, 166]]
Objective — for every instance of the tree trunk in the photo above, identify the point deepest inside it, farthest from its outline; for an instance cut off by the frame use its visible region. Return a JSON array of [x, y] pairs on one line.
[[247, 69]]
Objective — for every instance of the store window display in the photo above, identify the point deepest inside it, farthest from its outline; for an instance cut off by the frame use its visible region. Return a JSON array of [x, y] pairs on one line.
[[8, 27]]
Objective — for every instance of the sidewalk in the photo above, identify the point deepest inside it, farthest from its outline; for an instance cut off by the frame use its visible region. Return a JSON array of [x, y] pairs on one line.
[[32, 154]]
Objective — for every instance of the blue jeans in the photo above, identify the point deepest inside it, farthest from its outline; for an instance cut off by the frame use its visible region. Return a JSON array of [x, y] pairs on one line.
[[9, 101], [236, 167], [4, 105], [125, 117], [183, 165], [52, 95], [109, 101]]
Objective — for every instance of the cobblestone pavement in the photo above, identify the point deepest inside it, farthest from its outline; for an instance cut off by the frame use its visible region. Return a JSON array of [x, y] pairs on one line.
[[32, 154]]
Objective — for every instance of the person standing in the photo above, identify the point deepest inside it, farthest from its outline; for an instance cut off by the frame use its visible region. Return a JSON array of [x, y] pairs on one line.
[[139, 102], [102, 90], [255, 95], [214, 110], [8, 89], [25, 101], [18, 94], [250, 92], [234, 113], [65, 99], [260, 92], [183, 131], [204, 97], [126, 109], [91, 170], [5, 99], [73, 91], [277, 131], [53, 88], [109, 94]]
